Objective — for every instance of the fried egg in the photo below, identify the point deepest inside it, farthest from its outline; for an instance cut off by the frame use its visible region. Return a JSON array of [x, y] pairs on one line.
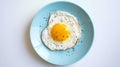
[[62, 32]]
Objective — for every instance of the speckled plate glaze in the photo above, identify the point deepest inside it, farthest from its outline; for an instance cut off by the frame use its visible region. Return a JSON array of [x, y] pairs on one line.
[[69, 56]]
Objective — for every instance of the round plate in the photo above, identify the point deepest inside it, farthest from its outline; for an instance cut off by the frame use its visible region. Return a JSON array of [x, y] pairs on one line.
[[64, 57]]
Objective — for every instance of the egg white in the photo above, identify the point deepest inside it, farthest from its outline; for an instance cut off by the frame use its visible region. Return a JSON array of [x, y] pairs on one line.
[[72, 24]]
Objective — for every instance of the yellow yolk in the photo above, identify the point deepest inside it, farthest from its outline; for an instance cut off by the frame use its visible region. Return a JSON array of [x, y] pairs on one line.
[[60, 32]]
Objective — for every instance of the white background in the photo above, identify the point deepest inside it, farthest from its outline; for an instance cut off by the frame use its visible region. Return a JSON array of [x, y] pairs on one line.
[[15, 46]]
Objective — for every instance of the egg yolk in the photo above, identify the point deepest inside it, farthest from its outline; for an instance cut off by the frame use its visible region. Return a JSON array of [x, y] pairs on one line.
[[60, 32]]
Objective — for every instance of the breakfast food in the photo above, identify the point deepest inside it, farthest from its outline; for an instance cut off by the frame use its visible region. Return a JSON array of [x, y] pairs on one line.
[[62, 32]]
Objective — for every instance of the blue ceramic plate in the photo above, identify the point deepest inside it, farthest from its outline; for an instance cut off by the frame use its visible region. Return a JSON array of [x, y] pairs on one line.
[[69, 56]]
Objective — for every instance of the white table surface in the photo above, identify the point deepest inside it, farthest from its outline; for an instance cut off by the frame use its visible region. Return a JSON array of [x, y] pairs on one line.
[[15, 46]]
